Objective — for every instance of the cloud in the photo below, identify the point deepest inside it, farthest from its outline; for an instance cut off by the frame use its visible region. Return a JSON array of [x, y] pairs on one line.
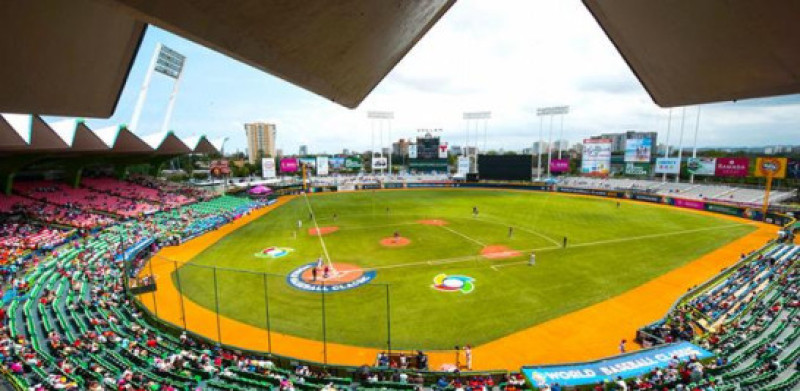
[[505, 56]]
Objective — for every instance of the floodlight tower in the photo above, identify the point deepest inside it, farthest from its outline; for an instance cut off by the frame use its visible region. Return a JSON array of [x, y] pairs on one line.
[[475, 118], [549, 112], [384, 121], [169, 63]]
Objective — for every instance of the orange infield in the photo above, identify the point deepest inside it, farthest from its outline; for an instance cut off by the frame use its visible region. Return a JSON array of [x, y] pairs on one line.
[[433, 222], [499, 252], [322, 231], [395, 242], [586, 334]]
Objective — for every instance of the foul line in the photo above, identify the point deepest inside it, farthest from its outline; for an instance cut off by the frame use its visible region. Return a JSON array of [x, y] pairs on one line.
[[375, 226], [463, 236], [467, 258], [319, 234], [632, 238], [523, 229]]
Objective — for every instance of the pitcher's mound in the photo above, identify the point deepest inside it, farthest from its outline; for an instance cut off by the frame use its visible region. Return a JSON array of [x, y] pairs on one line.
[[395, 242], [433, 222], [322, 230], [498, 252]]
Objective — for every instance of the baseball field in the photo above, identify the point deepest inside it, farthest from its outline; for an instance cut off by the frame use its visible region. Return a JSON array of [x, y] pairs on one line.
[[439, 274]]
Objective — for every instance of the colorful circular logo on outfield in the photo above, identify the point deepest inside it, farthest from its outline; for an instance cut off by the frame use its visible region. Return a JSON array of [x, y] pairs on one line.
[[340, 277], [445, 283], [274, 252]]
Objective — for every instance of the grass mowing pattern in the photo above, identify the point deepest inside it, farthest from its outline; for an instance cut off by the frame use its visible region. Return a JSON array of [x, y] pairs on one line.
[[611, 250]]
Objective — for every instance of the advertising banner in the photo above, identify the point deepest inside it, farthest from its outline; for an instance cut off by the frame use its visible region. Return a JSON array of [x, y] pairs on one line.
[[689, 204], [638, 169], [596, 159], [725, 209], [309, 162], [793, 169], [732, 166], [289, 165], [379, 163], [775, 166], [626, 366], [559, 165], [462, 167], [353, 163], [442, 151], [647, 197], [336, 163], [412, 151], [638, 150], [701, 165], [322, 165], [268, 167], [668, 165]]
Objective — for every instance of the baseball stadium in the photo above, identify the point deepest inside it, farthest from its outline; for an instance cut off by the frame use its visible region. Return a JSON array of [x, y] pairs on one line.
[[162, 260]]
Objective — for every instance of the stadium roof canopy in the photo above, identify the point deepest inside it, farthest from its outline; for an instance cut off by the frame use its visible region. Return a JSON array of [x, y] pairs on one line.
[[27, 134], [690, 52], [72, 58]]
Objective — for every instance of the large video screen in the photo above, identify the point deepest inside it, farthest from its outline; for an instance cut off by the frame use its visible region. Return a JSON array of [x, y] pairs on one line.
[[637, 150], [505, 167], [427, 148]]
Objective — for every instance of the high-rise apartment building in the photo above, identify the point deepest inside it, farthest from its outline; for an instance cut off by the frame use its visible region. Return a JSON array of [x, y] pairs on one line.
[[260, 141]]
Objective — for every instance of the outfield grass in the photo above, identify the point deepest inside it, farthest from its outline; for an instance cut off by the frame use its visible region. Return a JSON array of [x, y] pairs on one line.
[[611, 250]]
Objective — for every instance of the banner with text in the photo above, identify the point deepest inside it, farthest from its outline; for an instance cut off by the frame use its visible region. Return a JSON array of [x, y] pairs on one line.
[[322, 165], [774, 166], [412, 151], [732, 166], [701, 165], [442, 151], [625, 366], [596, 159], [336, 163], [462, 167], [638, 169], [268, 167], [353, 163], [379, 163], [559, 165], [668, 165], [289, 165]]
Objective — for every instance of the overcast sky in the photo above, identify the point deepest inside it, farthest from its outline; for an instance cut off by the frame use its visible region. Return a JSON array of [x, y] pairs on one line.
[[504, 56]]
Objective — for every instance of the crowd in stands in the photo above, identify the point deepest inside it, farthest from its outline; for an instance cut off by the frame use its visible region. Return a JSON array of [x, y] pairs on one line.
[[74, 217], [84, 198], [749, 318], [136, 191], [72, 327]]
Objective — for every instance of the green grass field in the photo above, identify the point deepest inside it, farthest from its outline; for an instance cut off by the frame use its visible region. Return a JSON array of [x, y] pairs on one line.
[[611, 250]]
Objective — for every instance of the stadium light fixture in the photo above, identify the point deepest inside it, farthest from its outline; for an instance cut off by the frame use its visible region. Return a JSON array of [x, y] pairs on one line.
[[382, 118], [475, 117], [551, 111]]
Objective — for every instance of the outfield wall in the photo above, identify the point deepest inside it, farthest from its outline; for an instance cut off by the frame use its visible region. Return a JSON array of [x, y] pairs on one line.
[[745, 212]]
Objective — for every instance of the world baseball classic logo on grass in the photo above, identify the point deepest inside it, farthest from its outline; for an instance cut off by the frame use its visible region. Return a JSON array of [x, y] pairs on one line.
[[453, 283], [273, 252]]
